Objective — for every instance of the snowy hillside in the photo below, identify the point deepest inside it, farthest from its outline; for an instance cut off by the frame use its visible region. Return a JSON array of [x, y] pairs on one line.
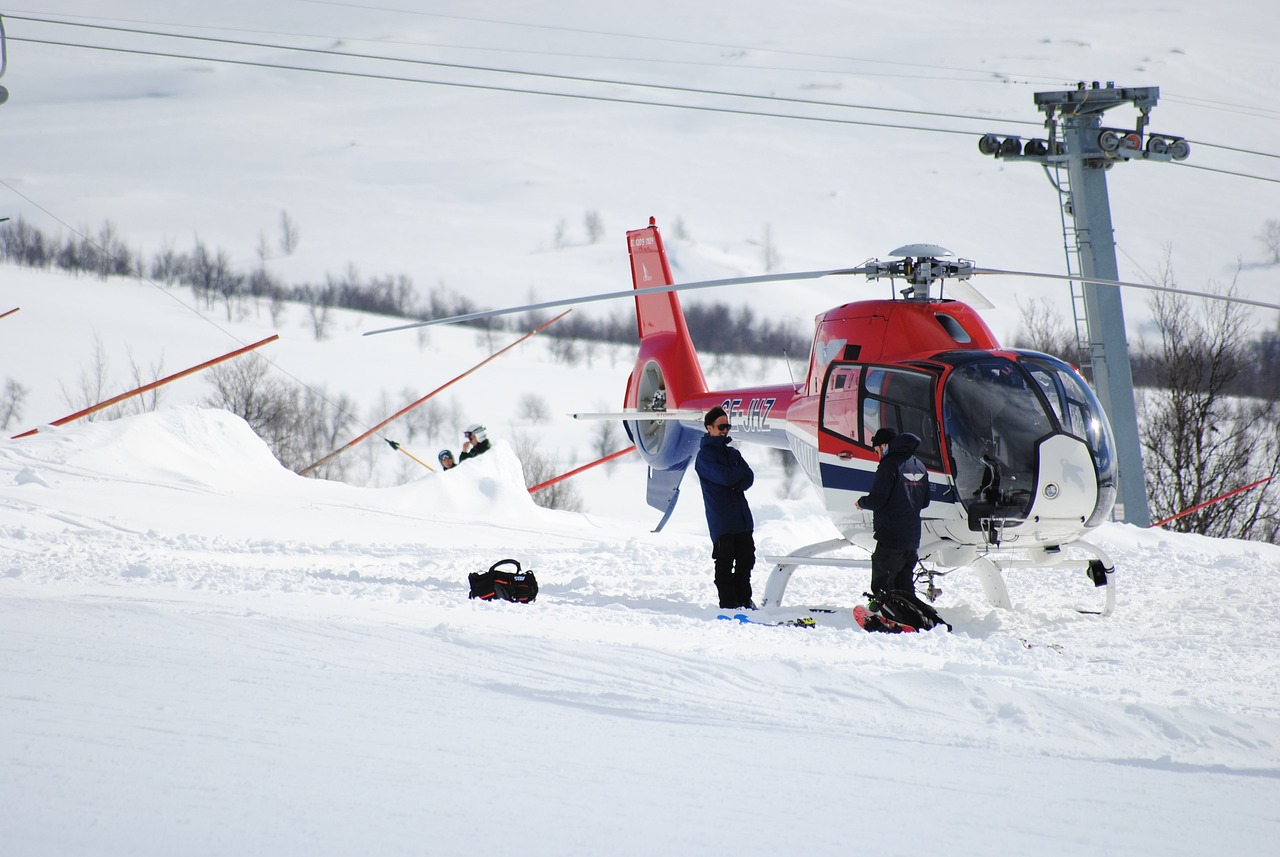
[[486, 191]]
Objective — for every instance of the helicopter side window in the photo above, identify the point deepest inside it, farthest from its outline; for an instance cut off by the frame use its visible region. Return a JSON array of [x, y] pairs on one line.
[[901, 399], [953, 328], [840, 402]]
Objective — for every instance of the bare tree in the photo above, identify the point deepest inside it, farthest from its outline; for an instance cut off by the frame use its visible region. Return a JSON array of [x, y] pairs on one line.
[[288, 234], [606, 439], [538, 468], [149, 401], [533, 408], [322, 426], [22, 243], [319, 302], [1270, 239], [595, 226], [1044, 329], [11, 402], [168, 266], [1201, 443], [245, 387], [93, 381], [263, 250], [769, 255]]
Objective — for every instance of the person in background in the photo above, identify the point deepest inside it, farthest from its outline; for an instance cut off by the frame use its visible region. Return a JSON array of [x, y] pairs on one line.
[[725, 476], [899, 492], [476, 443], [446, 460]]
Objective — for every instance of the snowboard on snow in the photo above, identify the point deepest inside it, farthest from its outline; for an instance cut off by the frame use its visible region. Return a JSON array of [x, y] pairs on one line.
[[869, 621]]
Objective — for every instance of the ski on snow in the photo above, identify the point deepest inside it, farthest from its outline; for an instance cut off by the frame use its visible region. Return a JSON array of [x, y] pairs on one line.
[[744, 619]]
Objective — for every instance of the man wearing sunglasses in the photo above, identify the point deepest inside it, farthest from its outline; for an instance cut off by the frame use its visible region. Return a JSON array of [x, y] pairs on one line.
[[725, 476]]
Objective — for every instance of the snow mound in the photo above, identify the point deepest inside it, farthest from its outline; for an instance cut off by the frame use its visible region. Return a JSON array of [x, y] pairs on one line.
[[98, 474]]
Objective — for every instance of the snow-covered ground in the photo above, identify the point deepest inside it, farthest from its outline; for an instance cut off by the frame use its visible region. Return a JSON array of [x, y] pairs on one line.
[[203, 653]]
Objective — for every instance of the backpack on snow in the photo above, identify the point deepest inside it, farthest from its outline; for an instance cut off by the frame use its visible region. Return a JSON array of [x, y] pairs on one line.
[[504, 584], [906, 608]]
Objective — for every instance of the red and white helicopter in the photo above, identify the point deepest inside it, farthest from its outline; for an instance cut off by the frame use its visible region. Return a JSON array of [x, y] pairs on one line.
[[1021, 458]]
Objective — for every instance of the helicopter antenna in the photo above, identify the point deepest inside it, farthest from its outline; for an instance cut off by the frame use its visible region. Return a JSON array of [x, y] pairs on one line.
[[790, 371]]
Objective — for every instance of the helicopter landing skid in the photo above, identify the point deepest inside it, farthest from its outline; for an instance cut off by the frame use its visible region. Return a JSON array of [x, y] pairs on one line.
[[807, 555], [1100, 570]]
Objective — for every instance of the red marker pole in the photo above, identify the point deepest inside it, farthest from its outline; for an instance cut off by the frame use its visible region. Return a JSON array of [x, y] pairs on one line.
[[153, 385], [1200, 506], [610, 457]]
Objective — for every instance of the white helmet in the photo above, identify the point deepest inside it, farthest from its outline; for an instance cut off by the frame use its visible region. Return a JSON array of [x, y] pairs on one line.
[[477, 432]]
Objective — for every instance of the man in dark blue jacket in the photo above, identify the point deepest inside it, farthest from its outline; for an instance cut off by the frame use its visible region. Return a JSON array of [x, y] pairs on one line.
[[899, 492], [725, 477]]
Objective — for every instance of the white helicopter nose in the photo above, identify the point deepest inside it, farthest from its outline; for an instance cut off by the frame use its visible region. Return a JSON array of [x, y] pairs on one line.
[[1066, 486]]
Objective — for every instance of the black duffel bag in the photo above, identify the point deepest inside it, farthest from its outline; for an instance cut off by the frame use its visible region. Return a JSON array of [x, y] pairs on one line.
[[504, 584]]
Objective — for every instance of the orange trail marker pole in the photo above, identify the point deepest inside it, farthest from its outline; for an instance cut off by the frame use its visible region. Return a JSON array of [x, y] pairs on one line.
[[304, 471], [398, 448], [563, 476], [153, 385]]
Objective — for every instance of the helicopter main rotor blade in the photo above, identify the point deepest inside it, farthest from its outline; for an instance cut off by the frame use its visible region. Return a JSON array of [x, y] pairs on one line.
[[629, 293], [1147, 286]]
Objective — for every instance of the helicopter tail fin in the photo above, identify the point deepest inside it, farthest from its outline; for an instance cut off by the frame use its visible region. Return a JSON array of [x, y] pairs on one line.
[[660, 322], [667, 373]]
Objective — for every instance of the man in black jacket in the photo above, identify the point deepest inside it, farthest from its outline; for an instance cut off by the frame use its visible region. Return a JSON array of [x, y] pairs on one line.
[[476, 443], [899, 492], [725, 476]]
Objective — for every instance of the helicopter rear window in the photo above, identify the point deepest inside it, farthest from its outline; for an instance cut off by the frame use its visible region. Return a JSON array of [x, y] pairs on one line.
[[840, 404], [953, 328]]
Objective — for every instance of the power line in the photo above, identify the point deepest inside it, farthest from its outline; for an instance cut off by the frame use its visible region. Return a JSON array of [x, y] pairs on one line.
[[1228, 172], [509, 89], [561, 77], [497, 70], [636, 36], [982, 76]]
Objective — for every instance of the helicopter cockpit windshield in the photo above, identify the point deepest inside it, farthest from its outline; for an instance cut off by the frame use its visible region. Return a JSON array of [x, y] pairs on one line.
[[1078, 413], [996, 411]]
